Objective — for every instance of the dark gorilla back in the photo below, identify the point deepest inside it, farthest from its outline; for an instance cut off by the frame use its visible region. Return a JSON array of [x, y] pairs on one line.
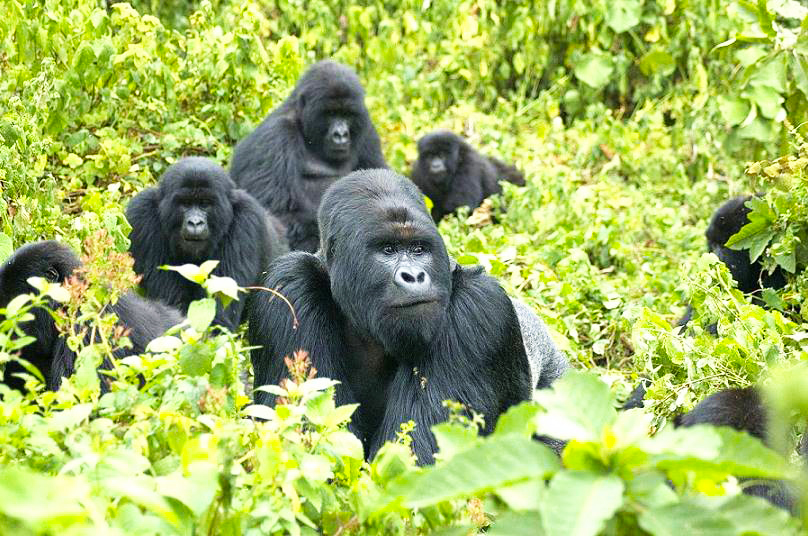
[[320, 133], [453, 174], [743, 410], [49, 352], [194, 214]]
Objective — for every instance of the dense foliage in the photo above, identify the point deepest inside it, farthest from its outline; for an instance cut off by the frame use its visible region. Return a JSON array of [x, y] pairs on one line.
[[633, 120]]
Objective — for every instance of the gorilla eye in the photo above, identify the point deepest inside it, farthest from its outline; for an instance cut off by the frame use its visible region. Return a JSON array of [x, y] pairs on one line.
[[388, 249], [418, 249], [52, 275]]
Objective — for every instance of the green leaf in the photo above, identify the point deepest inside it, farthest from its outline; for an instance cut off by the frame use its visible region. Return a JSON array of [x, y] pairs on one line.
[[201, 313], [225, 287], [579, 504], [622, 15], [6, 247], [733, 110], [196, 360], [508, 460], [657, 61], [578, 406], [516, 524], [192, 272], [594, 69], [196, 490], [519, 419]]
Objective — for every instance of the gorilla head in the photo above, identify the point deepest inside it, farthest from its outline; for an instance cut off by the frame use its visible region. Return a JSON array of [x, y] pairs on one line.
[[195, 208], [438, 158], [330, 109], [374, 225], [727, 221], [54, 262]]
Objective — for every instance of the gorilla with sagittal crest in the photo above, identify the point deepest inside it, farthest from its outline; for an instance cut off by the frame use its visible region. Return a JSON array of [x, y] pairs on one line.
[[383, 309]]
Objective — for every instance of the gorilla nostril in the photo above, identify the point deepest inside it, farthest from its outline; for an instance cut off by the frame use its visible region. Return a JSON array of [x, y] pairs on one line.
[[407, 277], [421, 277]]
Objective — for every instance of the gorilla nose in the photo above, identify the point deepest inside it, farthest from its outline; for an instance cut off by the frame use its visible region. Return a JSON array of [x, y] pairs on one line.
[[412, 279], [341, 135]]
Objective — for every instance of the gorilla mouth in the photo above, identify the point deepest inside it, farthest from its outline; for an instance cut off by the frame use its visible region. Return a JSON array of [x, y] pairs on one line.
[[414, 303]]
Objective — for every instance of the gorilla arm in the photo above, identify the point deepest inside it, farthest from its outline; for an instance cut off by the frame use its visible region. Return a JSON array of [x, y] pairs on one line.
[[477, 358], [237, 251], [303, 280]]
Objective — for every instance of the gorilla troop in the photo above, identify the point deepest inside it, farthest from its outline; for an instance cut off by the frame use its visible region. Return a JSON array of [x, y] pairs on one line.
[[383, 310], [452, 174], [320, 133], [194, 214], [48, 352]]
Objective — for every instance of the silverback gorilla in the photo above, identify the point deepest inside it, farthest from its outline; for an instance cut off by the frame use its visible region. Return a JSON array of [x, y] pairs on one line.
[[383, 310], [727, 220], [49, 352], [320, 133], [452, 174], [743, 410], [194, 214]]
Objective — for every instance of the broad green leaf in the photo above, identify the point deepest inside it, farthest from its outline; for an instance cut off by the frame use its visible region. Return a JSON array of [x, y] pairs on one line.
[[657, 61], [594, 69], [733, 110], [622, 15], [577, 406], [579, 504], [196, 490], [453, 438], [201, 313], [508, 460], [518, 419], [38, 499], [196, 360], [516, 524]]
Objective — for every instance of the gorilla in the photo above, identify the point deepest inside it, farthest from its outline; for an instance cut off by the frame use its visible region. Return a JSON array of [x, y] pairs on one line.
[[743, 410], [49, 352], [194, 214], [452, 174], [320, 133], [383, 309], [749, 276]]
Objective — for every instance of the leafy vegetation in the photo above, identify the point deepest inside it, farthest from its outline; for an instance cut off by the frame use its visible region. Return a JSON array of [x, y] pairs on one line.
[[633, 121]]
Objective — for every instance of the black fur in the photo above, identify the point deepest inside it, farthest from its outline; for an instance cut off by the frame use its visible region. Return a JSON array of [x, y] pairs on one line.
[[239, 234], [458, 339], [51, 260], [727, 220], [288, 162], [452, 174], [743, 410]]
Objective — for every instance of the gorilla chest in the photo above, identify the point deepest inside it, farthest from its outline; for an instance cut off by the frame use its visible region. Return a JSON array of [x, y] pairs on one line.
[[318, 175]]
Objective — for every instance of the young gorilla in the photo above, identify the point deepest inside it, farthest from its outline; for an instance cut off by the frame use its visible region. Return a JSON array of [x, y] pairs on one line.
[[750, 277], [194, 214], [383, 310], [49, 352], [743, 410], [452, 174], [320, 133]]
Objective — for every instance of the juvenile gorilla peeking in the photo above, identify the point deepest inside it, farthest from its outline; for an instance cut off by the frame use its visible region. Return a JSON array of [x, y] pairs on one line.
[[49, 353], [320, 133], [195, 214], [383, 310], [727, 220], [452, 174]]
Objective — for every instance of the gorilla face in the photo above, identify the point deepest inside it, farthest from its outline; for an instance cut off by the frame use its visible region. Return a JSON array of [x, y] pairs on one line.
[[439, 157], [195, 207], [388, 265], [50, 260], [331, 111]]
